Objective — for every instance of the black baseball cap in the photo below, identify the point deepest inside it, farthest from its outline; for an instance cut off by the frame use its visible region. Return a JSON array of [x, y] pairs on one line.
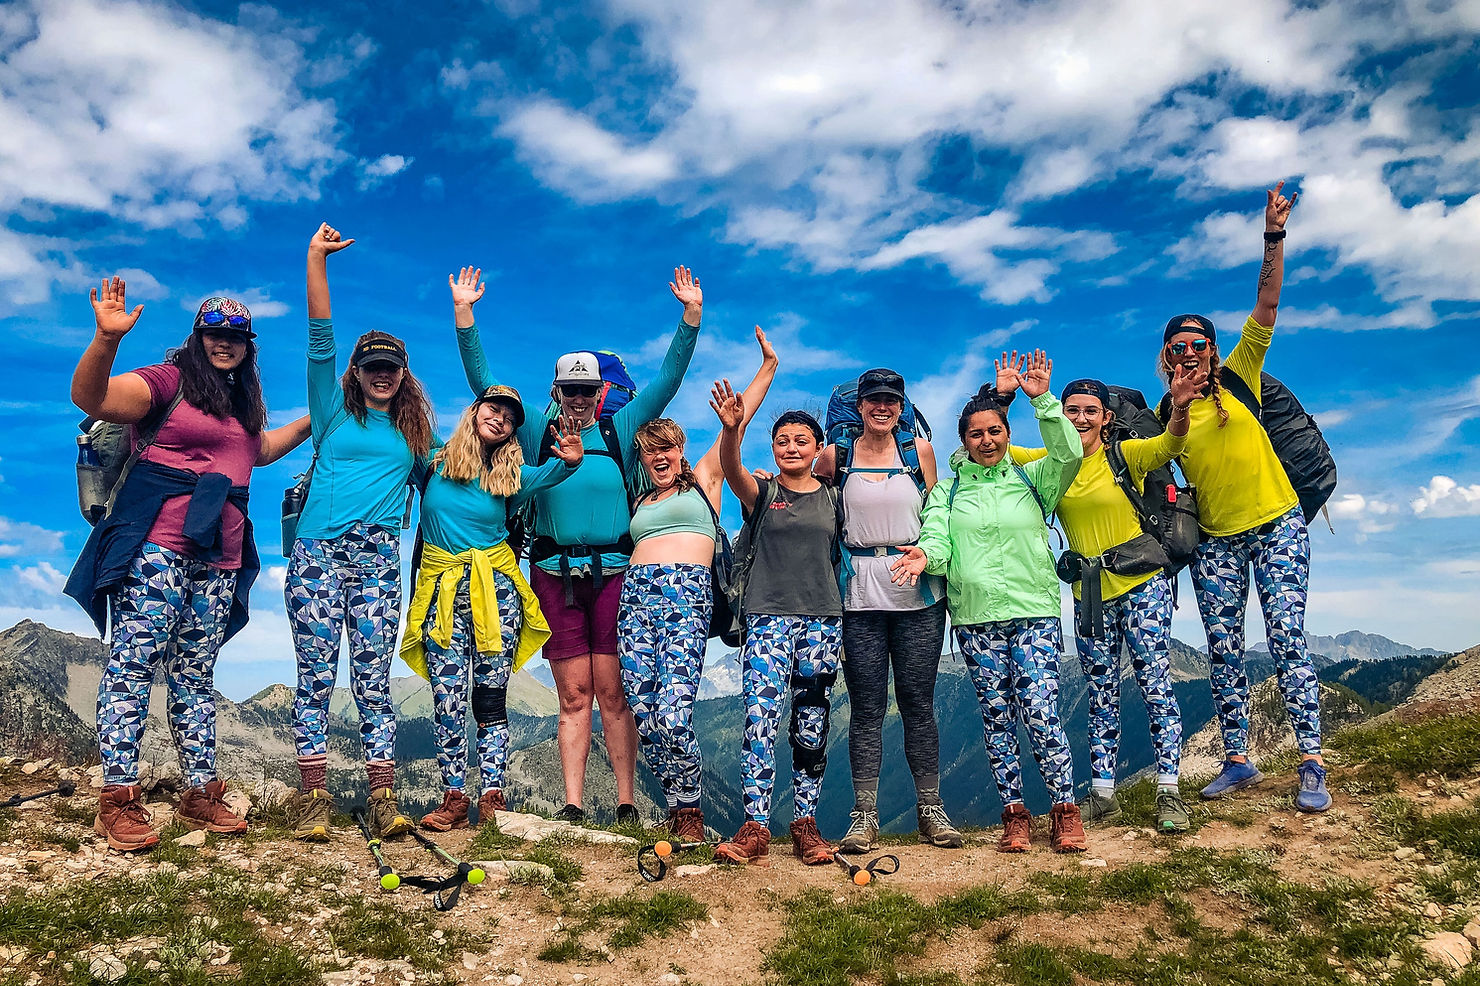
[[881, 382], [381, 350], [1175, 325]]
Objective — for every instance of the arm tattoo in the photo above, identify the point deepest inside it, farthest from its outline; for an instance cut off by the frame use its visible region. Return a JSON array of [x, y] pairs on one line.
[[1267, 271]]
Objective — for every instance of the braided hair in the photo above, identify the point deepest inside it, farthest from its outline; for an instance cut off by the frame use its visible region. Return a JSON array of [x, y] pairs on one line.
[[1215, 385]]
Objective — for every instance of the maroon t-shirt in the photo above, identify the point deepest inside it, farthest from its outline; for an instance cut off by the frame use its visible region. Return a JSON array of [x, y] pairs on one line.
[[195, 441]]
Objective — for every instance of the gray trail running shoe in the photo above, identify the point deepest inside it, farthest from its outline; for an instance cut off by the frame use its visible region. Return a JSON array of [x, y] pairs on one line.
[[1172, 813], [1099, 810], [386, 819], [863, 832], [312, 823], [936, 828]]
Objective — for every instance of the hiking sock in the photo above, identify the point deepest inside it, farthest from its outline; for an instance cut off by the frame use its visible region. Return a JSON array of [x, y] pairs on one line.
[[927, 789], [1166, 785], [866, 795], [314, 772], [1105, 789], [382, 773]]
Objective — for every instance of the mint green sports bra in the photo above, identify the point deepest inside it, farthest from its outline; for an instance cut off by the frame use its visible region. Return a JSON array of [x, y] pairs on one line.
[[680, 513]]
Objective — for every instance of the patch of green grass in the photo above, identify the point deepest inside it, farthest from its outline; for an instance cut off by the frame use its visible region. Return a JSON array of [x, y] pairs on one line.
[[490, 843], [1406, 821], [56, 837], [376, 928], [1033, 964], [566, 869], [7, 822], [640, 918], [85, 912], [170, 851], [84, 814], [568, 949], [1448, 746]]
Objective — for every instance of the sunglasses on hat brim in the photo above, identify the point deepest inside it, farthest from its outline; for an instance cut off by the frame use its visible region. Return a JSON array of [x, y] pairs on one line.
[[216, 320]]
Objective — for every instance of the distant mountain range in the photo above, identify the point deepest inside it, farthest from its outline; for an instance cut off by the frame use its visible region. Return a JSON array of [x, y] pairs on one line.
[[48, 695]]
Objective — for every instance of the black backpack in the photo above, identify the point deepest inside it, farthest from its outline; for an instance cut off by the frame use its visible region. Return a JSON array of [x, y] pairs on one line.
[[1167, 510], [1294, 434]]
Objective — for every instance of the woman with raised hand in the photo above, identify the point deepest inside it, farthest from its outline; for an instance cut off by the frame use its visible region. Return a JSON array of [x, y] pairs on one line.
[[884, 623], [667, 599], [473, 616], [1251, 520], [581, 543], [985, 531], [169, 569], [793, 614], [371, 427], [1135, 610]]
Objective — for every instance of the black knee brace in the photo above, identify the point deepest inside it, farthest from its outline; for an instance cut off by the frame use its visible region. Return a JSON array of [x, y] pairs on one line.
[[490, 705], [810, 691]]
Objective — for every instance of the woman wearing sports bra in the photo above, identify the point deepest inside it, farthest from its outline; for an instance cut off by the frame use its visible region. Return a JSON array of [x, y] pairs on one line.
[[884, 623], [667, 597]]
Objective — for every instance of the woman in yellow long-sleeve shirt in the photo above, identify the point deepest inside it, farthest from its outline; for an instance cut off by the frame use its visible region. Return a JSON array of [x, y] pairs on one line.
[[1251, 521]]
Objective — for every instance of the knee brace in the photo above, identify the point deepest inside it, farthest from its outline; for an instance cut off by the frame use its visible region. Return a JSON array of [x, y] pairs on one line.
[[810, 691], [490, 705]]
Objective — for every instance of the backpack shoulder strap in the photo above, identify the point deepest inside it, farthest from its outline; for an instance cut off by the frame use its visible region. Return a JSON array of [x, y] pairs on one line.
[[910, 456], [146, 438], [1235, 385], [1023, 475], [1164, 409], [842, 459], [1120, 471], [951, 497]]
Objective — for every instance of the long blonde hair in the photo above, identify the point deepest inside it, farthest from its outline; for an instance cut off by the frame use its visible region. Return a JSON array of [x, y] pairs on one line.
[[465, 458]]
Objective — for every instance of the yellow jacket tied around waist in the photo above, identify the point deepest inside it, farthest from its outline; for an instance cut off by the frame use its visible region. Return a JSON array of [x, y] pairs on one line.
[[439, 575]]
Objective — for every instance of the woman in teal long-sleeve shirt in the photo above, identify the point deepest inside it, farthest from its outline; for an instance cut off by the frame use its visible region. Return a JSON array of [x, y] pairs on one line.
[[985, 532], [582, 545]]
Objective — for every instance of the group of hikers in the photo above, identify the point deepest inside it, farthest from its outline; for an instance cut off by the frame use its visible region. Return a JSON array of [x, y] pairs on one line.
[[853, 554]]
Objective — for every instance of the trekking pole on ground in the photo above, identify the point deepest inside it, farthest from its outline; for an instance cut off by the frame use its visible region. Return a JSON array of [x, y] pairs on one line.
[[389, 881], [660, 851], [863, 875], [466, 873], [64, 788]]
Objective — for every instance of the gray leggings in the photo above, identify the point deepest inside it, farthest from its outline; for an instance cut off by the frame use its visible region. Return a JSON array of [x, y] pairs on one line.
[[913, 639]]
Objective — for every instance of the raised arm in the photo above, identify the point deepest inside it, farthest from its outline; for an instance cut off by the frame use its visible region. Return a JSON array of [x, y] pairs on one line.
[[323, 382], [652, 399], [1272, 271], [1052, 474], [278, 442], [467, 288], [123, 399], [325, 241], [730, 407], [708, 470]]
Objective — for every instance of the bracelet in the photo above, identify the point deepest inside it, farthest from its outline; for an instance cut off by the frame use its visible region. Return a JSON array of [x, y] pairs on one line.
[[1273, 235], [1181, 407]]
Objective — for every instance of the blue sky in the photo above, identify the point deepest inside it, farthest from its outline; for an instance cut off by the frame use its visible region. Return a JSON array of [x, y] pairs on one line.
[[901, 183]]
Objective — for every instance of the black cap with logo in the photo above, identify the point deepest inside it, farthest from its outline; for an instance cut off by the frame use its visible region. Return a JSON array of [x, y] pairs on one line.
[[381, 350]]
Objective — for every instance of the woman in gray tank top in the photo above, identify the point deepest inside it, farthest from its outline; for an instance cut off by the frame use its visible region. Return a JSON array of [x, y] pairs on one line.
[[884, 623]]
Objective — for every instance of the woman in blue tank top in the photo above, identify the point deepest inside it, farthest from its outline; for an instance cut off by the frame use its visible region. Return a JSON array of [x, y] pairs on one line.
[[667, 597]]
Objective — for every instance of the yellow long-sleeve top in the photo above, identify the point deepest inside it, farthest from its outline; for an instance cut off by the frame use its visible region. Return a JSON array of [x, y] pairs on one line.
[[438, 577], [1240, 482], [1096, 513]]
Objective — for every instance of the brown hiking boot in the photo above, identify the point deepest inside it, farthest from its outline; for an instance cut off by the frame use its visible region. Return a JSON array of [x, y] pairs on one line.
[[490, 802], [452, 815], [386, 819], [123, 820], [1017, 829], [1066, 828], [206, 808], [808, 845], [686, 825], [312, 810], [751, 845]]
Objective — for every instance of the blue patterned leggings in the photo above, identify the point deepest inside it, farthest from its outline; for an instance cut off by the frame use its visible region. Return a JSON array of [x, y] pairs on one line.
[[449, 673], [776, 649], [348, 583], [169, 612], [1279, 553], [1139, 621], [662, 629], [1014, 665]]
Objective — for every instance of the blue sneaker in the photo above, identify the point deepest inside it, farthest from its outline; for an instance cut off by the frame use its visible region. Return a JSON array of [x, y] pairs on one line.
[[1313, 795], [1234, 777]]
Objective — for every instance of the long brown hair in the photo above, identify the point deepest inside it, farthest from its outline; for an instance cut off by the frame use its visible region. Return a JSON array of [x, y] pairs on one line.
[[661, 434], [222, 395], [410, 411]]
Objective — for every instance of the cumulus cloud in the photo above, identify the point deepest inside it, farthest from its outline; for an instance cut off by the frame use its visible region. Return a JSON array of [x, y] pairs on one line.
[[1443, 497], [256, 300], [382, 169], [1372, 515], [19, 539]]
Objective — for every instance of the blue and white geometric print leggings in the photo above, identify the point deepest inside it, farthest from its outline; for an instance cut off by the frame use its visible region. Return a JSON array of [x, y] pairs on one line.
[[1014, 665], [449, 673], [775, 649], [169, 613], [347, 583], [1279, 554], [662, 629], [1139, 621]]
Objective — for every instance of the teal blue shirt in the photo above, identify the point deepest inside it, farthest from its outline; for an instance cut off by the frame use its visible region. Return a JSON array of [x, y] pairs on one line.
[[592, 507], [361, 473], [459, 517]]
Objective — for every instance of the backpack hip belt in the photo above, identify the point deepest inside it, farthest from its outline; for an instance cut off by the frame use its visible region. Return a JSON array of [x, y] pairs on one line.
[[879, 551], [545, 548]]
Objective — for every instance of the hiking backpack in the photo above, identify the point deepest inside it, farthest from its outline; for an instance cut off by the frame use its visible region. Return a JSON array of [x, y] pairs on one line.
[[107, 452], [844, 424], [1167, 511], [1294, 434]]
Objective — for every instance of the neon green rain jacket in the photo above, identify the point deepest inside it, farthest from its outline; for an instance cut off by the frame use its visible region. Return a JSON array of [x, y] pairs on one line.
[[990, 541]]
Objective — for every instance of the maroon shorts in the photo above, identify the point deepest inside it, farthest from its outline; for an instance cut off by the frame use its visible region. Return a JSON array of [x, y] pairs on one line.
[[588, 627]]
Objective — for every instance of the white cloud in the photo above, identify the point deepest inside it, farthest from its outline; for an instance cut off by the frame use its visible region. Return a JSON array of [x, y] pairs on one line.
[[1372, 515], [574, 154], [1443, 497], [256, 300], [19, 539], [382, 169]]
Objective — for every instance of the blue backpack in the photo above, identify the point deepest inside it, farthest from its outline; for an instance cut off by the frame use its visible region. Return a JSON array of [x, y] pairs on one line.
[[844, 425]]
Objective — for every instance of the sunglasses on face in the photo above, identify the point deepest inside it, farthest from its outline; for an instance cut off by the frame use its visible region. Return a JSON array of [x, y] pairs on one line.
[[1197, 345], [236, 338], [221, 318], [579, 389], [380, 368]]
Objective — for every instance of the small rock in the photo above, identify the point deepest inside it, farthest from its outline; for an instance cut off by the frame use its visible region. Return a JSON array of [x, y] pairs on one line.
[[695, 870], [197, 838], [31, 767], [1472, 931], [109, 967], [670, 979], [1448, 950], [513, 979], [1433, 912], [578, 977], [1093, 863], [469, 961], [1405, 853]]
